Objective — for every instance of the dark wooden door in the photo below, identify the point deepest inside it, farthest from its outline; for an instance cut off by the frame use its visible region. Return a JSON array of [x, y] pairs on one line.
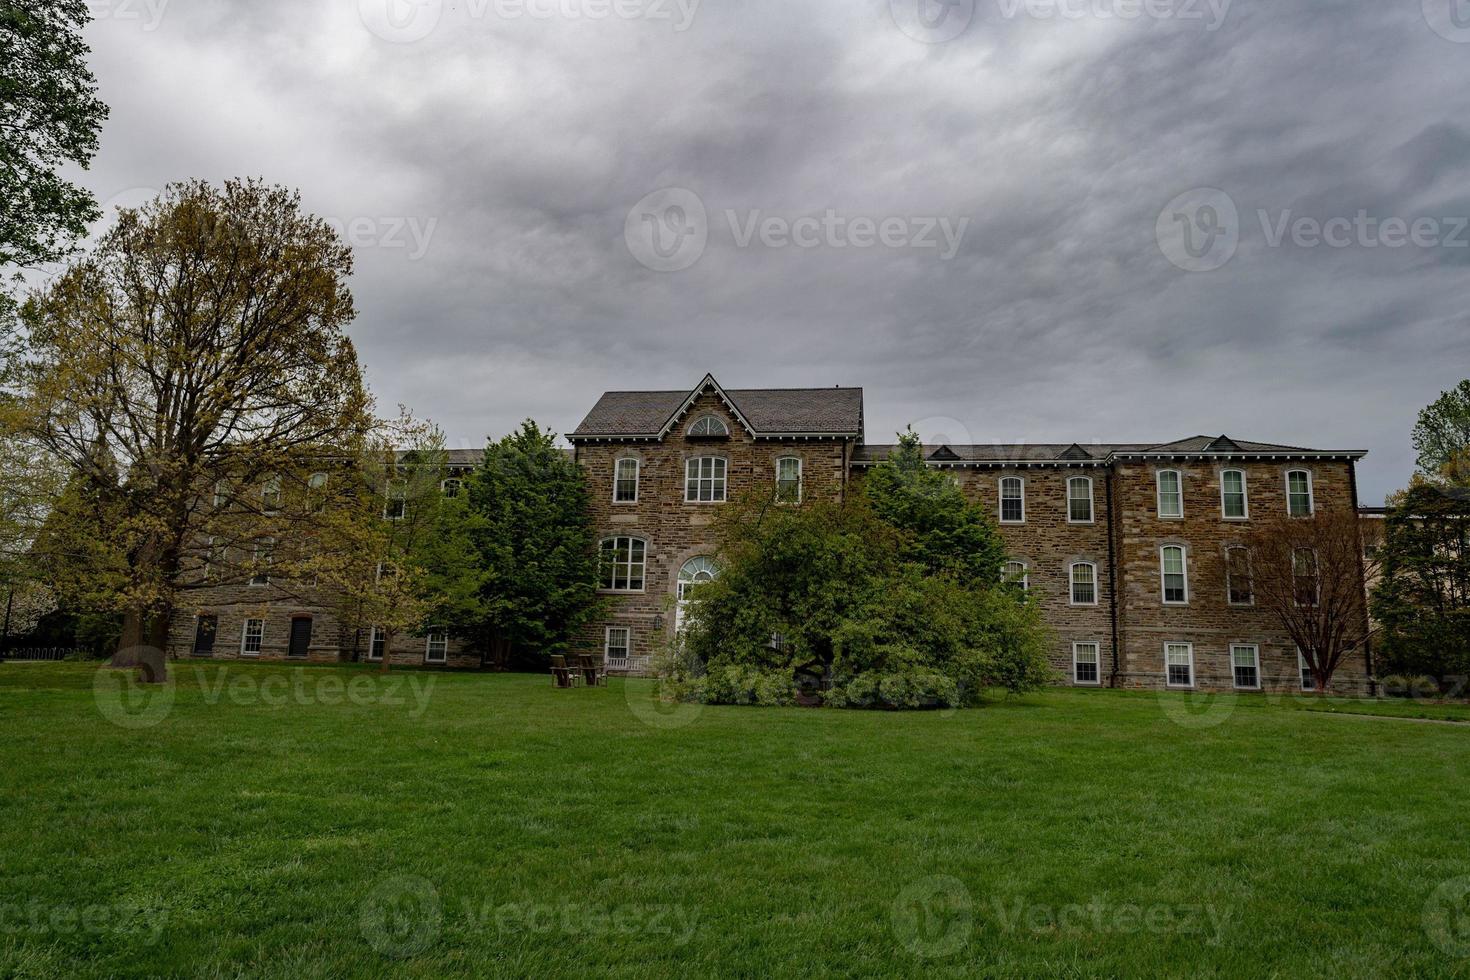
[[300, 636], [204, 631]]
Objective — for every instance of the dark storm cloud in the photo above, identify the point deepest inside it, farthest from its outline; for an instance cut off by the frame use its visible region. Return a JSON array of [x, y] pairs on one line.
[[488, 169]]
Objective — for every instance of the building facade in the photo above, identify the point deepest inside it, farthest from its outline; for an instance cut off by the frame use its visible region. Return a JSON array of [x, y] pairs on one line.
[[1135, 552]]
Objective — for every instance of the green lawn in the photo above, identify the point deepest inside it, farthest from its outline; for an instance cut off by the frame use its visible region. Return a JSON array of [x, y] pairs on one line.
[[490, 825]]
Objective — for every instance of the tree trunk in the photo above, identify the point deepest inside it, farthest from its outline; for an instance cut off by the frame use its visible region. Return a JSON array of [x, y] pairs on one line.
[[126, 654], [387, 653]]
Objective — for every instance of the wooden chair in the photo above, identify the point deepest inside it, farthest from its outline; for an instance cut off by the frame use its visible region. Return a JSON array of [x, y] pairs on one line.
[[594, 674], [561, 674]]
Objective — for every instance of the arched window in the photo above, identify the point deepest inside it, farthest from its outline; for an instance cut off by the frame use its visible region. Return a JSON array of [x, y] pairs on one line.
[[1174, 570], [788, 480], [451, 487], [623, 560], [709, 427], [1299, 493], [1171, 494], [1016, 574], [1084, 583], [1233, 503], [696, 571], [1012, 500], [1079, 500]]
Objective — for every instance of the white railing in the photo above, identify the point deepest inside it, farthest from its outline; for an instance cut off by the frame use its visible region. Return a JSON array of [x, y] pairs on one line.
[[631, 665]]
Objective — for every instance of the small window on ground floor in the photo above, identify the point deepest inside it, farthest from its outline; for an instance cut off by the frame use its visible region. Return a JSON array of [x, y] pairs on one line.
[[436, 647], [1245, 660], [1309, 682], [616, 644], [377, 644], [1085, 663], [1179, 664], [251, 637]]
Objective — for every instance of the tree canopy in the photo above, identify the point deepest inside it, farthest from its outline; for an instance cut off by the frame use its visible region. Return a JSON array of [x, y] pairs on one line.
[[1442, 437]]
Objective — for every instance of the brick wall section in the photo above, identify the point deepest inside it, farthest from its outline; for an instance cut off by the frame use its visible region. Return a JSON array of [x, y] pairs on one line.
[[1209, 621], [677, 531]]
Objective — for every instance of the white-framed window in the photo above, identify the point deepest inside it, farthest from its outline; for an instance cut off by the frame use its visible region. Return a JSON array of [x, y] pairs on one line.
[[1245, 664], [264, 556], [221, 493], [1179, 664], [1306, 580], [1079, 500], [395, 502], [1174, 574], [788, 480], [704, 479], [617, 643], [451, 487], [436, 647], [1085, 663], [1299, 494], [212, 557], [251, 637], [1309, 682], [623, 562], [1171, 495], [316, 492], [1012, 500], [1016, 573], [625, 480], [696, 571], [377, 643], [1084, 583], [270, 495], [1234, 504], [1239, 587], [708, 427]]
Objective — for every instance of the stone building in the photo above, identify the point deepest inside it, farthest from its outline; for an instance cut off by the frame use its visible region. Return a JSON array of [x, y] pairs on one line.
[[1135, 551]]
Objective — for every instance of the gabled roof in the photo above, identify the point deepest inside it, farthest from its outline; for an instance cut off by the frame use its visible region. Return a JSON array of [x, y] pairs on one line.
[[943, 454], [1074, 451], [763, 412]]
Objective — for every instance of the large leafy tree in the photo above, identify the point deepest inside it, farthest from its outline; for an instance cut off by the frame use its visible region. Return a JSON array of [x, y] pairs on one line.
[[1422, 598], [526, 527], [51, 118], [1442, 437], [945, 532], [193, 371]]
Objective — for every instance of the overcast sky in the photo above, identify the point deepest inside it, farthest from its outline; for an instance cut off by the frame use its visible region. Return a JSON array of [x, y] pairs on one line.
[[1023, 221]]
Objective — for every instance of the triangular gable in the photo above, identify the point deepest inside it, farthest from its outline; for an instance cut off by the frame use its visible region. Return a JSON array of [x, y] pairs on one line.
[[944, 455], [1224, 444], [707, 384], [1074, 451]]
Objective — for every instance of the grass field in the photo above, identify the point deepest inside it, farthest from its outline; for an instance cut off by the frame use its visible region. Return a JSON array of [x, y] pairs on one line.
[[268, 821]]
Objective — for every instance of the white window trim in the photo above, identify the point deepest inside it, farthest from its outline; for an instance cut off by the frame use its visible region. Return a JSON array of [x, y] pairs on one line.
[[627, 648], [1025, 573], [1072, 584], [1311, 494], [1159, 496], [724, 482], [429, 647], [270, 489], [444, 484], [245, 632], [373, 632], [637, 484], [396, 486], [1097, 649], [800, 478], [1245, 495], [221, 493], [1000, 489], [724, 432], [1255, 650], [1163, 584], [1250, 574], [1306, 680], [631, 538], [1091, 501], [1188, 647], [259, 580]]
